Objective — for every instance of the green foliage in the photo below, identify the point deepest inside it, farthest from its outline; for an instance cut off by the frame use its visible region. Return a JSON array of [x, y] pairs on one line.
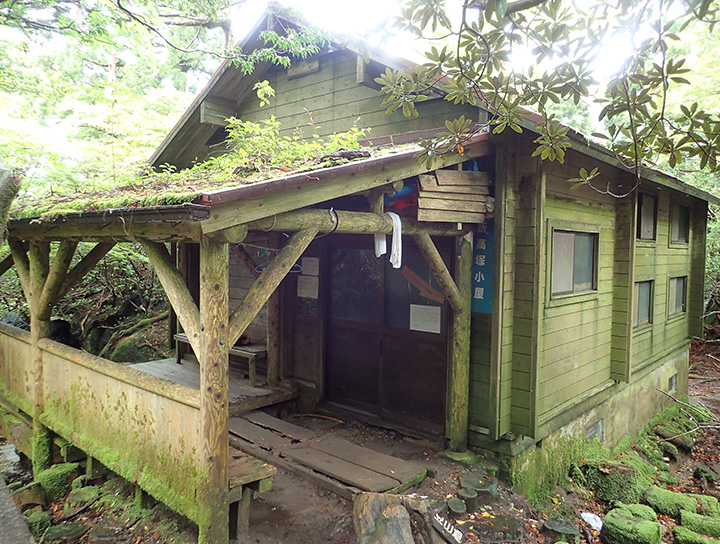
[[259, 147], [476, 63]]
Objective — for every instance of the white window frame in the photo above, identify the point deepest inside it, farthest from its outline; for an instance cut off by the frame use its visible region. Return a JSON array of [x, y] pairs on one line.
[[573, 288], [673, 310], [636, 304]]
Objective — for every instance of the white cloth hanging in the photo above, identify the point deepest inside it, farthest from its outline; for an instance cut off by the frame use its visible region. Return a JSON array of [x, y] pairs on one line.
[[396, 246], [380, 245]]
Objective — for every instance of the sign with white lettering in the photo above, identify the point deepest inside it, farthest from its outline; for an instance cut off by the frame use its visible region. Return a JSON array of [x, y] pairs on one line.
[[482, 268]]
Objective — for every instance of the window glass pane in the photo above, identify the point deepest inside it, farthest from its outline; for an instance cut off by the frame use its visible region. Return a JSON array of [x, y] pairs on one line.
[[677, 295], [584, 262], [643, 303], [680, 224], [562, 262], [646, 217], [356, 286]]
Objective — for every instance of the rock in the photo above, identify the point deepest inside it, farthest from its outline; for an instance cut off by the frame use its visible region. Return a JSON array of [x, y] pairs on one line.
[[702, 473], [11, 318], [9, 461], [82, 496], [60, 331], [561, 529], [613, 481], [38, 522], [705, 525], [30, 495], [127, 351], [623, 526], [103, 532], [67, 532], [55, 481], [496, 528], [676, 437], [381, 519]]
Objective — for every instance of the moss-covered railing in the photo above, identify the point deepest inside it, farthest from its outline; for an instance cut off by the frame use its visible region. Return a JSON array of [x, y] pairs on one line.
[[15, 356], [142, 427]]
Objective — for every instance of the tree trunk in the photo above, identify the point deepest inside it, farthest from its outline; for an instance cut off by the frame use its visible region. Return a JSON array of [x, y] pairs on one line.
[[9, 188]]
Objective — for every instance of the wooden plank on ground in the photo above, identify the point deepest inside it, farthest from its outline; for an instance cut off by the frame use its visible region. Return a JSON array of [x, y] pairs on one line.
[[244, 469], [323, 481], [269, 396], [259, 436], [462, 177], [283, 427], [340, 469], [398, 469]]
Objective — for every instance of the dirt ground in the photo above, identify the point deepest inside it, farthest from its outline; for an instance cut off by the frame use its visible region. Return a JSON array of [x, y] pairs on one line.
[[296, 511]]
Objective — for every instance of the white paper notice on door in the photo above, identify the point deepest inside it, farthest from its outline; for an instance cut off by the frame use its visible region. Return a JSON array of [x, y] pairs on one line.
[[310, 266], [307, 286], [425, 318]]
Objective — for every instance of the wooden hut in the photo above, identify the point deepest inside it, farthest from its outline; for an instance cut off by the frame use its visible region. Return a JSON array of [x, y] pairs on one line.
[[520, 310]]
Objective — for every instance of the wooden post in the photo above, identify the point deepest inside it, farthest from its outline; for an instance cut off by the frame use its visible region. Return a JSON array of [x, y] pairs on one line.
[[273, 332], [459, 398], [458, 293], [214, 367]]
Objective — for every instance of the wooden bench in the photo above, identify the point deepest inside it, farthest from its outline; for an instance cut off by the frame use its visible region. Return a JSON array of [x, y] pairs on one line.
[[245, 474], [251, 352]]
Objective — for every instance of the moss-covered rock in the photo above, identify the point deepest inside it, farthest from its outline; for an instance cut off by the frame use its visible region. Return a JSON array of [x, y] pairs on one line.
[[669, 449], [640, 511], [708, 505], [704, 525], [667, 478], [615, 481], [683, 535], [38, 522], [82, 496], [621, 526], [55, 481], [127, 351]]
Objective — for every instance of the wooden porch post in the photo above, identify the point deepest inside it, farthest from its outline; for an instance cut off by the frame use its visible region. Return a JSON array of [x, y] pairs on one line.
[[458, 294], [459, 401], [213, 358], [273, 331], [42, 285]]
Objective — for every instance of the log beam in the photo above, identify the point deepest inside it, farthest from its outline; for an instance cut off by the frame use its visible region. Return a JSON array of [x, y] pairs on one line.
[[214, 370], [54, 280], [440, 271], [265, 285], [176, 290], [344, 222], [6, 264], [86, 264]]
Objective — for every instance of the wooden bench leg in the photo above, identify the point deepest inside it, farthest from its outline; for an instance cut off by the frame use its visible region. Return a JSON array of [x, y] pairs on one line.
[[251, 369], [240, 515]]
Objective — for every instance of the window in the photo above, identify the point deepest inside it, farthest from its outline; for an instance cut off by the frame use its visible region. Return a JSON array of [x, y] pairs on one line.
[[647, 216], [680, 224], [643, 303], [574, 262], [676, 295]]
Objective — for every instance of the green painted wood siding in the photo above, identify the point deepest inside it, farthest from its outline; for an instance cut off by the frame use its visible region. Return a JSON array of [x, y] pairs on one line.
[[331, 101], [659, 260], [575, 329]]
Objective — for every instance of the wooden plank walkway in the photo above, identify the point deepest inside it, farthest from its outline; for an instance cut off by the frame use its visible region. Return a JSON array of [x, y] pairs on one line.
[[242, 397], [333, 463]]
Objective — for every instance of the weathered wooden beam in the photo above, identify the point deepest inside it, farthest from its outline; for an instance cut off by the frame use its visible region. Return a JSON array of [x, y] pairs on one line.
[[22, 265], [343, 222], [440, 271], [215, 110], [274, 333], [6, 264], [86, 264], [265, 285], [214, 370], [176, 290], [186, 231], [233, 235], [55, 277], [459, 396]]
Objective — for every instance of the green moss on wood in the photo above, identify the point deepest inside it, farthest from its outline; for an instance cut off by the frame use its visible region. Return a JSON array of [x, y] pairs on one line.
[[41, 449], [616, 481], [670, 503], [705, 525], [38, 522], [620, 526], [683, 535], [55, 481]]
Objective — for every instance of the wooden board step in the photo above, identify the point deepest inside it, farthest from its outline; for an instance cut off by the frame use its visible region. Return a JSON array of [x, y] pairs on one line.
[[336, 464]]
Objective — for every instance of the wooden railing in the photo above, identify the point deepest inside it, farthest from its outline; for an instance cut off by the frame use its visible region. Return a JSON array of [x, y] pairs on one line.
[[142, 427], [15, 354]]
